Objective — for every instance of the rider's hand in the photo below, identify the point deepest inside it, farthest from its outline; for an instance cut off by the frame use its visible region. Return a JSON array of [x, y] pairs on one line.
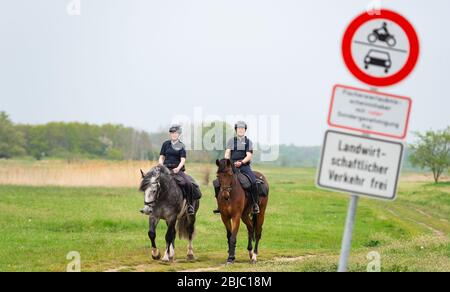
[[176, 170], [238, 164]]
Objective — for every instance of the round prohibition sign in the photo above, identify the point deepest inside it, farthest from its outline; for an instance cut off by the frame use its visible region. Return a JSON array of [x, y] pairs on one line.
[[374, 54]]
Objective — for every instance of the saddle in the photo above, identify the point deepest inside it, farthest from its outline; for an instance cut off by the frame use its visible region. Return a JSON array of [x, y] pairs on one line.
[[261, 186], [244, 180], [196, 193]]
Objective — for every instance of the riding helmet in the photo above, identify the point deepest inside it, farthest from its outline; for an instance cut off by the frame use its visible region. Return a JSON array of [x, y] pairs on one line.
[[175, 129], [240, 124]]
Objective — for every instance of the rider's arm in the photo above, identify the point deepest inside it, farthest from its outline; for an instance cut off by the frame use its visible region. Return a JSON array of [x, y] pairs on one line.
[[162, 154], [182, 163], [230, 146], [248, 158], [228, 154], [249, 153], [182, 159]]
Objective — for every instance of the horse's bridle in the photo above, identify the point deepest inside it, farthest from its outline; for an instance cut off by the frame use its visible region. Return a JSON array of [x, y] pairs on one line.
[[158, 190], [230, 187], [227, 189]]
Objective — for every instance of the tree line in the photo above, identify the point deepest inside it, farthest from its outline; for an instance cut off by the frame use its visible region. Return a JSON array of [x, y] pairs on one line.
[[73, 140], [430, 151]]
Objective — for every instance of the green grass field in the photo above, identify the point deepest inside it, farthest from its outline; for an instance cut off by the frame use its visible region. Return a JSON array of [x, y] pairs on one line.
[[303, 229]]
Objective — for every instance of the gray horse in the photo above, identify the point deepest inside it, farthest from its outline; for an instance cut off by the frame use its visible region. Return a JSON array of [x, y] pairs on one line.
[[164, 200]]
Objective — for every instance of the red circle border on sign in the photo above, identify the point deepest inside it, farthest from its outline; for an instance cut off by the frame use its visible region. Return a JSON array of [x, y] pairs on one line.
[[381, 81]]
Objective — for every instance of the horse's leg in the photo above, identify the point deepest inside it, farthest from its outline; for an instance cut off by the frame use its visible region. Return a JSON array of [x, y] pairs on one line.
[[235, 222], [190, 250], [248, 222], [153, 222], [227, 222], [169, 255], [259, 227]]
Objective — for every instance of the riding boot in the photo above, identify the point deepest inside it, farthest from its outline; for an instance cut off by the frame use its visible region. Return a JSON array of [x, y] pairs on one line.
[[190, 201], [255, 199], [217, 191]]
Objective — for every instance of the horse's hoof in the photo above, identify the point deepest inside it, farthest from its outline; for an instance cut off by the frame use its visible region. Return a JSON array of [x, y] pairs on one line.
[[156, 255], [230, 261], [250, 254], [253, 259], [165, 260], [190, 258]]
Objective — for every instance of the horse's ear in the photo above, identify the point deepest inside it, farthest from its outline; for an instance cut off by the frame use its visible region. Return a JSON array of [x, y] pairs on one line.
[[228, 163], [217, 162], [142, 173]]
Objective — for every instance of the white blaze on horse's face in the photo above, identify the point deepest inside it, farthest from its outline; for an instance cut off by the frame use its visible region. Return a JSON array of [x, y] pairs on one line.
[[152, 191]]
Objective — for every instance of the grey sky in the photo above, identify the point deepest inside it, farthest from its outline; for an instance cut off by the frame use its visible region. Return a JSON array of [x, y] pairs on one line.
[[139, 62]]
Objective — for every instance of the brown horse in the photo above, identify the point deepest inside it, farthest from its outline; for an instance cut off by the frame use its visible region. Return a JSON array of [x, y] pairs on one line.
[[234, 206]]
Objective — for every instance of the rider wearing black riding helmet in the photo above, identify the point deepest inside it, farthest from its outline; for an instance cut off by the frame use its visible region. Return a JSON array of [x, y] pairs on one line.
[[240, 151], [173, 156]]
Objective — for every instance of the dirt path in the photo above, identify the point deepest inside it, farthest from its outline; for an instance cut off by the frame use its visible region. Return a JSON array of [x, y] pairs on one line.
[[142, 268], [139, 268], [437, 232], [274, 260]]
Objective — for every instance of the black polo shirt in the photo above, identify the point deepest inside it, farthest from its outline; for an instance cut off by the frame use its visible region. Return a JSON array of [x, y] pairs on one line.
[[173, 154]]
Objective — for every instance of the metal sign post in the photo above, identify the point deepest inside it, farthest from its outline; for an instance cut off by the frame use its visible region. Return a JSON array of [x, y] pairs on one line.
[[348, 232]]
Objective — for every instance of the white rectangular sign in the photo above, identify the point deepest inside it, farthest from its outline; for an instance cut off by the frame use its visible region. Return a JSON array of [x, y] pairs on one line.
[[369, 112], [360, 165]]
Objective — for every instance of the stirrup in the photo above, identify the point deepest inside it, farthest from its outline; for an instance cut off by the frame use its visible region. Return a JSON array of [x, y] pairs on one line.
[[190, 210], [217, 211]]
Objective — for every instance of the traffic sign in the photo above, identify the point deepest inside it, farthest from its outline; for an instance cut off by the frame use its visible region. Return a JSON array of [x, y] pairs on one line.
[[380, 49], [360, 165], [369, 112]]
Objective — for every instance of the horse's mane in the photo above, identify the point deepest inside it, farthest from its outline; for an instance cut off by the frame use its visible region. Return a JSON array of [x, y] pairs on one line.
[[164, 177], [223, 167]]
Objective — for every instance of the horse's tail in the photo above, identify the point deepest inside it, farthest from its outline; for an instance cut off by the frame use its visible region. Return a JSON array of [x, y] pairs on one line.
[[183, 226], [186, 226], [255, 222]]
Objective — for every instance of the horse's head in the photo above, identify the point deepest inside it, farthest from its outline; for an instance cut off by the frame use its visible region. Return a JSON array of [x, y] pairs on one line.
[[151, 186], [225, 176]]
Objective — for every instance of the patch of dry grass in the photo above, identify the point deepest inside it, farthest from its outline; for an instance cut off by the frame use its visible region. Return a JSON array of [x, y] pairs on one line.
[[88, 173], [82, 173]]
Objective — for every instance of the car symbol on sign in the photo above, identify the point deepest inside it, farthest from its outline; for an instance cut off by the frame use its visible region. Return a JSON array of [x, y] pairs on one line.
[[378, 58]]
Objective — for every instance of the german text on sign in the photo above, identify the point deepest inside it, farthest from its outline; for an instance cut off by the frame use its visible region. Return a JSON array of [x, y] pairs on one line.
[[360, 165], [369, 112]]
